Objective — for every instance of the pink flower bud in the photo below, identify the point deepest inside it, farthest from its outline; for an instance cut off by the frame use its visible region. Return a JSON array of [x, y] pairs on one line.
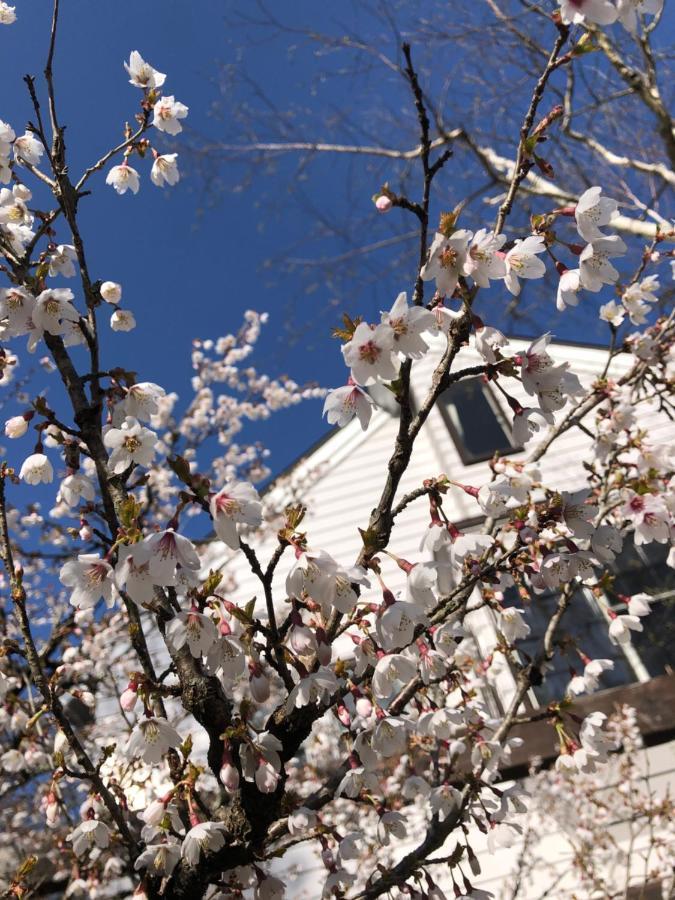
[[364, 707], [128, 699], [229, 778], [16, 427], [51, 810], [302, 640], [260, 688], [383, 204], [343, 716]]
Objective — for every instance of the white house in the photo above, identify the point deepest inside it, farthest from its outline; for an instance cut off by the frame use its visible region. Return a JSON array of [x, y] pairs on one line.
[[343, 476]]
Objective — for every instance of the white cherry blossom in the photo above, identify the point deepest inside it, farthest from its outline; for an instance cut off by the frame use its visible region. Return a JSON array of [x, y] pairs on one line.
[[343, 403], [261, 762], [522, 262], [123, 178], [111, 292], [621, 626], [592, 212], [396, 626], [142, 74], [165, 170], [62, 261], [355, 781], [389, 670], [14, 211], [637, 310], [89, 834], [443, 800], [639, 604], [16, 307], [612, 312], [90, 577], [488, 343], [649, 516], [369, 354], [143, 399], [590, 680], [391, 825], [53, 308], [159, 859], [203, 837], [313, 688], [301, 820], [122, 320], [408, 324], [151, 739], [569, 287], [16, 427], [194, 629], [36, 469], [132, 574], [578, 514], [237, 503], [484, 261], [575, 12], [527, 422], [7, 13], [628, 11], [512, 625], [227, 658], [166, 115], [132, 444], [447, 256], [595, 268], [422, 584], [28, 148], [165, 550]]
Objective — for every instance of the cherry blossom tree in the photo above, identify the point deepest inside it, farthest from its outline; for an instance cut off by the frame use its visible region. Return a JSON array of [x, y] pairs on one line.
[[159, 739]]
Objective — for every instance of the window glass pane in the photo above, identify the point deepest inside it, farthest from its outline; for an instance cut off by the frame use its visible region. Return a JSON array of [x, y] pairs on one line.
[[644, 570], [584, 627], [473, 422]]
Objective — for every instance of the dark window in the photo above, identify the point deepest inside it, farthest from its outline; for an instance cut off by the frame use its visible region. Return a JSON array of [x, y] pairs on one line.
[[644, 570], [475, 421], [584, 626]]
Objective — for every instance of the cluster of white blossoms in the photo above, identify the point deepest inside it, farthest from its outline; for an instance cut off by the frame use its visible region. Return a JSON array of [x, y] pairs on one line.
[[92, 833], [52, 310], [167, 113], [575, 809], [605, 12], [251, 397], [7, 14], [634, 303], [374, 352], [592, 212]]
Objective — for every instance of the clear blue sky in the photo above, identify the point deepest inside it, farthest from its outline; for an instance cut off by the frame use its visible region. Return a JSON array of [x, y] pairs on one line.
[[184, 276], [187, 275]]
